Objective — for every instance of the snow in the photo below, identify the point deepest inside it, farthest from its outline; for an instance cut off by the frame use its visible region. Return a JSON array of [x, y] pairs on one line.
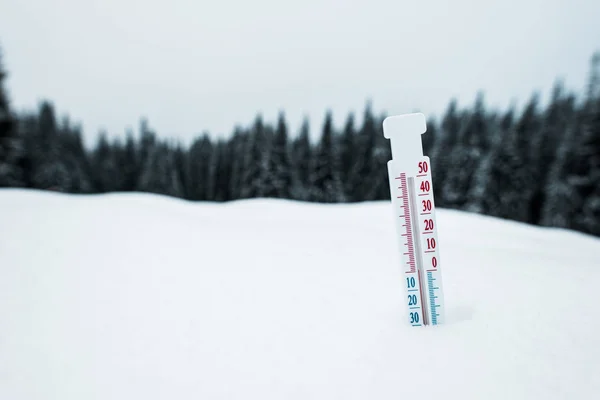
[[135, 296]]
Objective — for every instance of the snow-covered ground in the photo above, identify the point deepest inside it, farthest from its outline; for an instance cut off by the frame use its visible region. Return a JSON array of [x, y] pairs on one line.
[[130, 296]]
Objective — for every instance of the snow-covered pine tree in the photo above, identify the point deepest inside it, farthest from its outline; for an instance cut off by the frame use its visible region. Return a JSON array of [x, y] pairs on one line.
[[75, 158], [220, 172], [256, 161], [442, 151], [498, 126], [509, 187], [429, 138], [573, 179], [555, 121], [107, 173], [586, 176], [588, 220], [302, 153], [466, 156], [12, 151], [326, 183], [364, 169], [47, 168], [280, 168], [238, 147], [180, 164], [160, 174], [148, 141], [129, 163], [562, 201], [198, 168], [348, 155], [381, 155]]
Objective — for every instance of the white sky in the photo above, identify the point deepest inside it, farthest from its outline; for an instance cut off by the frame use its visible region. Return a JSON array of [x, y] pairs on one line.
[[191, 65]]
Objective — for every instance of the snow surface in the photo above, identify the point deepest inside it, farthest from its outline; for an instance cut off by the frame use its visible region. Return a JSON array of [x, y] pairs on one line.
[[131, 296]]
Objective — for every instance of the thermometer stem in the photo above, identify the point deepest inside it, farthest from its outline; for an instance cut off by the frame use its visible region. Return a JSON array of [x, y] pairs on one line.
[[417, 244]]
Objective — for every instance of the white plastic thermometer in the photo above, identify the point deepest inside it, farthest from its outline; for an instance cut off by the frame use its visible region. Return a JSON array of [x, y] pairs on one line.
[[411, 190]]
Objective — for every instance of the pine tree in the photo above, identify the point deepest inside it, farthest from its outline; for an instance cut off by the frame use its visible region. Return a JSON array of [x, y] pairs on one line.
[[105, 165], [180, 165], [198, 168], [348, 149], [12, 151], [509, 189], [47, 167], [256, 161], [75, 159], [326, 183], [160, 174], [280, 163], [238, 148], [429, 138], [572, 184], [130, 163], [441, 162], [302, 154], [588, 220], [365, 167], [482, 190], [586, 175], [381, 155], [562, 201], [466, 157], [545, 147], [220, 172], [593, 89]]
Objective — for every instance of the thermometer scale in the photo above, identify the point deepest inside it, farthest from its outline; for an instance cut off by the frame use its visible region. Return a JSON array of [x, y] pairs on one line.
[[411, 190]]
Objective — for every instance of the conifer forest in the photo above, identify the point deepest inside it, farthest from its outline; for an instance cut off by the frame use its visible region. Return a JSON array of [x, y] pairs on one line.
[[537, 164]]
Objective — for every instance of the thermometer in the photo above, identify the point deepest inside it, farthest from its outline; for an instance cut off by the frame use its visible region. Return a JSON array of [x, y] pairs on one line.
[[411, 190]]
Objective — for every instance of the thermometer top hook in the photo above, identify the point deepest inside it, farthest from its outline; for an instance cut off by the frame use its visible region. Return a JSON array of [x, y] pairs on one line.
[[405, 132]]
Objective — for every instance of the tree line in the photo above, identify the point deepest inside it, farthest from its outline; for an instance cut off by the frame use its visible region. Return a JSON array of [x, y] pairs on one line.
[[539, 165]]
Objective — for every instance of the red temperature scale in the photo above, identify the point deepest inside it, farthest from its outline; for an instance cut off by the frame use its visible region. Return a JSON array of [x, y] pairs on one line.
[[411, 190]]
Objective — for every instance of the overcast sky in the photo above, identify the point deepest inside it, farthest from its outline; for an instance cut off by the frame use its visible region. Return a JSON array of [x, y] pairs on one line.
[[194, 65]]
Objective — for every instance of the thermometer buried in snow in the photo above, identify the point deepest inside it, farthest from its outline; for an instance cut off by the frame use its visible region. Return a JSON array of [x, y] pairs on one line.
[[411, 189]]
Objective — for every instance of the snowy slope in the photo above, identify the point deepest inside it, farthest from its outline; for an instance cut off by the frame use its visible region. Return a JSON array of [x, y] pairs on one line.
[[131, 296]]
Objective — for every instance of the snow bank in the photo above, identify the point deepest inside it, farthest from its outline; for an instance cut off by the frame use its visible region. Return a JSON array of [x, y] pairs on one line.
[[131, 296]]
